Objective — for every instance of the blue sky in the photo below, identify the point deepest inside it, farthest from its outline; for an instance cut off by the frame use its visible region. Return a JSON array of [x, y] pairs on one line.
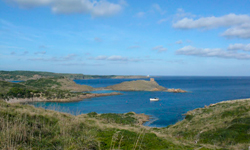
[[126, 37]]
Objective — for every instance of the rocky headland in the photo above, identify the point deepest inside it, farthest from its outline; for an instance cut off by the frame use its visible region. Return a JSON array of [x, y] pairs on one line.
[[142, 85], [138, 85]]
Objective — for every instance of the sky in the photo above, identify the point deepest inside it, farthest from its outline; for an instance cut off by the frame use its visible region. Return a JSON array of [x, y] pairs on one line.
[[126, 37]]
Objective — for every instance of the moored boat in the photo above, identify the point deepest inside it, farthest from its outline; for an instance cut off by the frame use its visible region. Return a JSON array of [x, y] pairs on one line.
[[154, 99]]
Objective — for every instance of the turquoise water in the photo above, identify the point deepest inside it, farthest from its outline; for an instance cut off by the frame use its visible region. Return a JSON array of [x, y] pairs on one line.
[[171, 107]]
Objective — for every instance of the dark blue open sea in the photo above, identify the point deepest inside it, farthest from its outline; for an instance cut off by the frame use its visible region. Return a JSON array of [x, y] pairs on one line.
[[171, 107]]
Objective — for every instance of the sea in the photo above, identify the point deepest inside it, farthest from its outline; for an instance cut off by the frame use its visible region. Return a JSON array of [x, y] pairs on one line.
[[169, 109]]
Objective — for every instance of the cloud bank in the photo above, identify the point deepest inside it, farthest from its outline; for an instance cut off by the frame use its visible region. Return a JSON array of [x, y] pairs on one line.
[[239, 25], [208, 52], [94, 8], [239, 46], [117, 58], [241, 31], [212, 22], [159, 49], [69, 57]]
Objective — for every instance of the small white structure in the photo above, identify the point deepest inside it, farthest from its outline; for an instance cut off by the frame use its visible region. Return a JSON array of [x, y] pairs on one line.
[[154, 99]]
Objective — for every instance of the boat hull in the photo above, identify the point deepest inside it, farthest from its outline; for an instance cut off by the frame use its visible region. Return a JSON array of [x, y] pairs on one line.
[[154, 99]]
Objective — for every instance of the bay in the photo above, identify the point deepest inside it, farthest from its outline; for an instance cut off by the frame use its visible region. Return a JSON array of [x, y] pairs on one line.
[[171, 107]]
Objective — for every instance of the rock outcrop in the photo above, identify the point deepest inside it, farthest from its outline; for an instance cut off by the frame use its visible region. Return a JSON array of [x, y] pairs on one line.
[[176, 90]]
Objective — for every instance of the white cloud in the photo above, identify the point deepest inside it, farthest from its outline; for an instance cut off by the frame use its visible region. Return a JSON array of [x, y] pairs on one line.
[[159, 49], [140, 14], [101, 58], [241, 31], [30, 3], [42, 53], [182, 14], [80, 64], [212, 22], [95, 8], [111, 58], [158, 8], [43, 47], [162, 20], [179, 42], [208, 52], [55, 59], [239, 46], [117, 58]]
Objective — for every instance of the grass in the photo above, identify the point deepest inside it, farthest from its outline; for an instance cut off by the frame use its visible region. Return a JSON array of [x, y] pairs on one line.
[[224, 125], [43, 83], [27, 127], [49, 88]]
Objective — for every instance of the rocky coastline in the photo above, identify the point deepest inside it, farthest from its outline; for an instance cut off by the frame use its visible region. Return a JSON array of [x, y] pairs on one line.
[[43, 99]]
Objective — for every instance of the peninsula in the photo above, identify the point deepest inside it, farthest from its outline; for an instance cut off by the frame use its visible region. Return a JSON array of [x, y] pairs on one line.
[[47, 89], [142, 85]]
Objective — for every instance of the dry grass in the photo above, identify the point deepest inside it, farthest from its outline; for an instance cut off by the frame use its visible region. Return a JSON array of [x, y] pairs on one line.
[[27, 127], [214, 119]]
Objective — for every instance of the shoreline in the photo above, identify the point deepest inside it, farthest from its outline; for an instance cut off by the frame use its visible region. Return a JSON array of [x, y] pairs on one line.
[[72, 99]]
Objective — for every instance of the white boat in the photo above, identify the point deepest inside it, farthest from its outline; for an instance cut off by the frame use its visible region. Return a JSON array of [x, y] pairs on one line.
[[154, 99]]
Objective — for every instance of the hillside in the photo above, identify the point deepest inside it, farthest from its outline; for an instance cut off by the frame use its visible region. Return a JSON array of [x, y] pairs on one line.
[[33, 75], [27, 127], [224, 126], [45, 89], [29, 75], [57, 83]]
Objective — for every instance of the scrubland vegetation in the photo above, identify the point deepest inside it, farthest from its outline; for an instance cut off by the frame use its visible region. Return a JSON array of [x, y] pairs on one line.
[[27, 127], [221, 126]]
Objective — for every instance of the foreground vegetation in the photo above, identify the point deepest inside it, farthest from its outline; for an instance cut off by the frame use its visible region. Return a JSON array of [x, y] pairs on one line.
[[26, 127], [221, 126]]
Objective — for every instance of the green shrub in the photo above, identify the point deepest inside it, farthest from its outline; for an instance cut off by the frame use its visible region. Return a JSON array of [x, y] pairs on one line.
[[189, 117], [92, 114], [118, 118]]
